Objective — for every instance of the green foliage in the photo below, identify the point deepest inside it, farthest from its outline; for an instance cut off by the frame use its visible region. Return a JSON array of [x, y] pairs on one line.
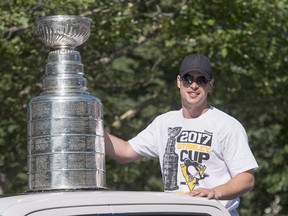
[[131, 61]]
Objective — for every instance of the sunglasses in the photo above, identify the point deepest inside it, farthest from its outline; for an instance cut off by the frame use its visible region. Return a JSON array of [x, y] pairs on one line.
[[188, 79]]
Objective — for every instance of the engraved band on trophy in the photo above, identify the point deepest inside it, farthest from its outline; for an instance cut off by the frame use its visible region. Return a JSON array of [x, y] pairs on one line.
[[65, 123]]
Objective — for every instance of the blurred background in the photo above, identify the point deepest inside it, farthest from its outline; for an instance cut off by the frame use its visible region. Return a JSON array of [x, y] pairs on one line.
[[131, 62]]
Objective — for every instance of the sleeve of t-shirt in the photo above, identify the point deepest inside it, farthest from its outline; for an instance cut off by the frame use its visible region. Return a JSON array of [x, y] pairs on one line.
[[145, 143], [237, 153]]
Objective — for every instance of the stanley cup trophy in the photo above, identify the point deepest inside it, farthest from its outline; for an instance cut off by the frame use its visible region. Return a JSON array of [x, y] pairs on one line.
[[65, 123]]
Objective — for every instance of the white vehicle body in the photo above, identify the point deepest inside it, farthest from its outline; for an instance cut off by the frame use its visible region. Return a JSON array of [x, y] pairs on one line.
[[94, 203]]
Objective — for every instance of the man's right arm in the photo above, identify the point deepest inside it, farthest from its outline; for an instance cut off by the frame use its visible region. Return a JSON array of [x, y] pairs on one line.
[[120, 150]]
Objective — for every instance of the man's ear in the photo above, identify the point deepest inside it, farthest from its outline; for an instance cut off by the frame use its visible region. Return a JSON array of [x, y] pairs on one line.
[[178, 80], [211, 84]]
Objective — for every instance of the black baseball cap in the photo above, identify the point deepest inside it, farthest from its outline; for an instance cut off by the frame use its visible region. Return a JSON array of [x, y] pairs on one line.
[[196, 62]]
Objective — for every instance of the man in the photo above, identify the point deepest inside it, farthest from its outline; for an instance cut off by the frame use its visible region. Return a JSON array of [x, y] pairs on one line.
[[202, 151]]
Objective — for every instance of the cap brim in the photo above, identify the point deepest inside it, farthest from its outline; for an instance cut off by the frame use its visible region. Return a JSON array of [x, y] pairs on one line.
[[204, 73]]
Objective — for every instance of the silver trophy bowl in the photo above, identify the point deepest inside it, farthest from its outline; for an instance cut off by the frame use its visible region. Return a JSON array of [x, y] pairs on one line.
[[65, 123], [63, 30]]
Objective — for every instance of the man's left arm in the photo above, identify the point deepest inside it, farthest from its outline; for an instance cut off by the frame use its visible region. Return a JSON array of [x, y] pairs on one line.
[[235, 187]]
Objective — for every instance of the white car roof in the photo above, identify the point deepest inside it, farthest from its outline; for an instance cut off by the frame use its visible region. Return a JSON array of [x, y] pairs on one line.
[[108, 203]]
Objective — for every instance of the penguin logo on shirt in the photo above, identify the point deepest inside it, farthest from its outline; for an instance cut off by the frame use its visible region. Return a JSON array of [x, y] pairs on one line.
[[193, 172]]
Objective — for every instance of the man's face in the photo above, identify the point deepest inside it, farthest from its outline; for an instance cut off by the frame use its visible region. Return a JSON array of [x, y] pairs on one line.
[[194, 89]]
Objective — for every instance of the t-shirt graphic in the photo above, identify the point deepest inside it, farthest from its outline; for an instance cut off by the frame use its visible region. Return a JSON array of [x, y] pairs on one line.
[[193, 148], [192, 179], [170, 161]]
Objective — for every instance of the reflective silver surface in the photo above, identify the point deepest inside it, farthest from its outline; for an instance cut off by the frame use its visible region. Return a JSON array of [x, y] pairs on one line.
[[65, 123], [63, 30]]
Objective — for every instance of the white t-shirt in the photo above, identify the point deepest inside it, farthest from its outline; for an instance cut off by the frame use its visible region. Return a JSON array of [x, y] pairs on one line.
[[202, 152]]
